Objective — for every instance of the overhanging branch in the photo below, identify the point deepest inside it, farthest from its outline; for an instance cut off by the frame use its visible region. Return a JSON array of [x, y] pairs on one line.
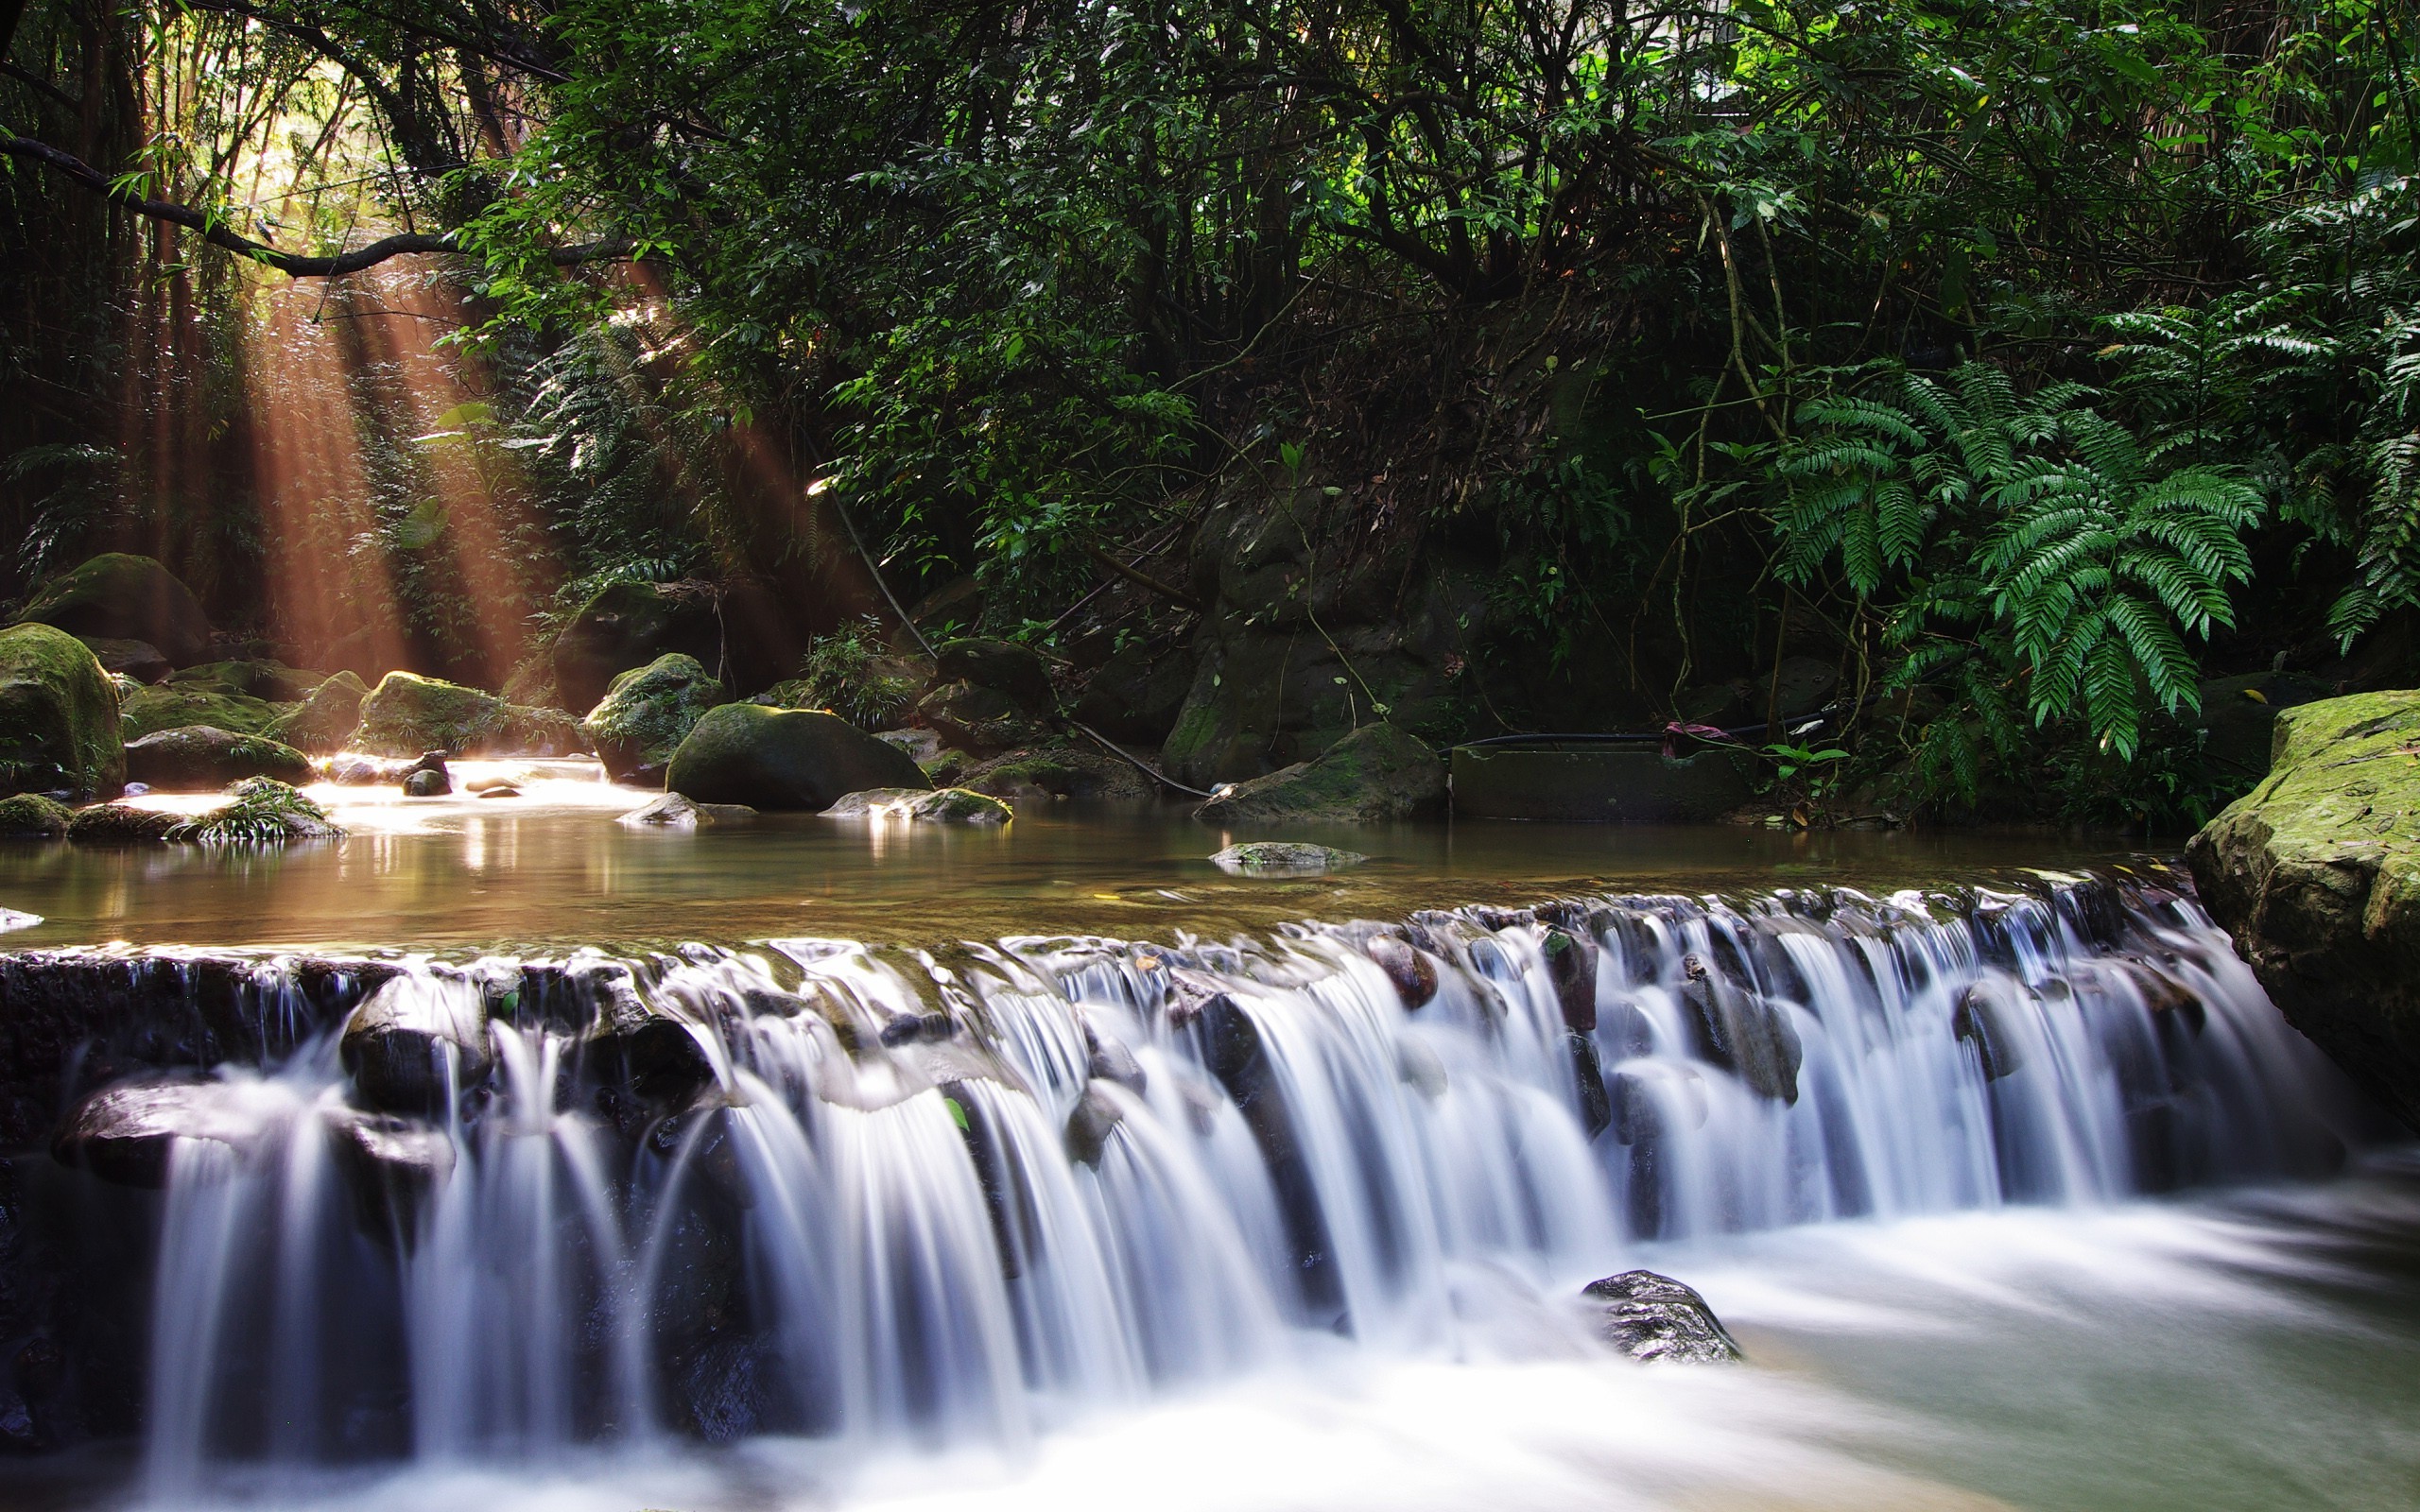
[[294, 265]]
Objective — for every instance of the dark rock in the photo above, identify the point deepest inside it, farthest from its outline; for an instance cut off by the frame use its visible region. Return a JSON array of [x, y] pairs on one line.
[[1284, 858], [1412, 972], [1571, 966], [123, 1133], [32, 817], [1136, 696], [415, 1043], [138, 660], [393, 1164], [2239, 720], [149, 711], [1108, 1059], [406, 714], [1805, 685], [1984, 1019], [628, 626], [1002, 665], [119, 824], [2315, 875], [1588, 1082], [327, 719], [59, 717], [1054, 772], [428, 782], [1096, 1117], [1655, 1317], [122, 598], [1651, 1099], [1740, 1031], [198, 759], [784, 759], [1379, 772], [646, 712], [983, 721]]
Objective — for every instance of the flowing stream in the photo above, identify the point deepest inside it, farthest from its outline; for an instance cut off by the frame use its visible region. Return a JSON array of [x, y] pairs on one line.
[[860, 1213]]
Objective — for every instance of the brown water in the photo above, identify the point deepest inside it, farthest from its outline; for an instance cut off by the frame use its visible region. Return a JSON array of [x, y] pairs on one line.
[[552, 868]]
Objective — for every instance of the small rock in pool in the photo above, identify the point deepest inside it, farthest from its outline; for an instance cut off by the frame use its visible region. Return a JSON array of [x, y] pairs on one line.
[[1284, 858], [1650, 1317], [11, 918], [498, 790], [426, 784], [946, 805], [674, 812]]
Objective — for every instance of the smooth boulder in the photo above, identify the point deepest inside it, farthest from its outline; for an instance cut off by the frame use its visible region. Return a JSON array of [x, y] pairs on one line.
[[324, 722], [201, 759], [1653, 1317], [673, 812], [784, 759], [1379, 772], [646, 714], [122, 598], [407, 715], [59, 717], [944, 805], [2316, 874]]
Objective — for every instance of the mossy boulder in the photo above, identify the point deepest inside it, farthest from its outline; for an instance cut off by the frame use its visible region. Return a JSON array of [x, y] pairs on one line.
[[2316, 874], [32, 817], [270, 682], [1377, 773], [628, 626], [123, 597], [648, 711], [200, 759], [984, 721], [149, 711], [323, 722], [1284, 858], [138, 660], [784, 759], [407, 715], [119, 824], [59, 717], [260, 811]]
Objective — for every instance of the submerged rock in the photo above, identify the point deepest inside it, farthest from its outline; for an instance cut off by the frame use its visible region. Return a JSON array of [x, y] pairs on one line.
[[2316, 874], [149, 711], [32, 817], [59, 717], [674, 812], [123, 597], [646, 714], [945, 805], [1284, 858], [784, 759], [200, 759], [324, 722], [1377, 773], [1655, 1317]]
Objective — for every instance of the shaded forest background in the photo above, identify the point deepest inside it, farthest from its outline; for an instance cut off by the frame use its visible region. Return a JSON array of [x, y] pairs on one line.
[[2025, 374]]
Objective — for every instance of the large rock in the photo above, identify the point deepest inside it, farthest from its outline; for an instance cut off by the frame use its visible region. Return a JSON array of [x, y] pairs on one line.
[[59, 717], [408, 715], [1377, 773], [1655, 1317], [269, 681], [127, 1133], [324, 722], [2316, 873], [32, 817], [979, 720], [1136, 696], [121, 597], [416, 1041], [1012, 669], [149, 711], [200, 759], [784, 759], [646, 714], [138, 660], [627, 626], [2239, 720]]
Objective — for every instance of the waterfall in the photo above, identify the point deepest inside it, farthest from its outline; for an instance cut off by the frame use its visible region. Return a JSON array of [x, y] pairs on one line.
[[884, 1197]]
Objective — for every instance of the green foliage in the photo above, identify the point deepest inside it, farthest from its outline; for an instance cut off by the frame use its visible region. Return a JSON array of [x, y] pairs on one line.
[[850, 672], [262, 811]]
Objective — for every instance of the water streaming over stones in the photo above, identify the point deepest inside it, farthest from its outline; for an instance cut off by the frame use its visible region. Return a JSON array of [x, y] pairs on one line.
[[500, 1209]]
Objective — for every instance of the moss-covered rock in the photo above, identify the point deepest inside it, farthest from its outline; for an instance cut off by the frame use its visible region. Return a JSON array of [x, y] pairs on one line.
[[32, 817], [627, 626], [1284, 858], [947, 805], [59, 717], [138, 660], [2316, 873], [200, 759], [648, 711], [260, 811], [149, 711], [324, 722], [407, 715], [119, 824], [1377, 773], [783, 759], [983, 720], [124, 597], [269, 681]]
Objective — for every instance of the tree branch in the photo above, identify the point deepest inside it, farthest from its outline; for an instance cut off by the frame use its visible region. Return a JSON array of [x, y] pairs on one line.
[[294, 265]]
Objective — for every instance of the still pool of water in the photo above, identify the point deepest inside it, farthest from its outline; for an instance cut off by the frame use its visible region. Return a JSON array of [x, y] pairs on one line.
[[549, 868]]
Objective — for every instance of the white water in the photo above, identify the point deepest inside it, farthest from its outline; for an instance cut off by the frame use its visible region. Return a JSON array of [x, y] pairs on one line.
[[891, 1264]]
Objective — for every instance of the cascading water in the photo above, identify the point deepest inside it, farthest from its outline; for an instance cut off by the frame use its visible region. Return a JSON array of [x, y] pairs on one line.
[[821, 1190]]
